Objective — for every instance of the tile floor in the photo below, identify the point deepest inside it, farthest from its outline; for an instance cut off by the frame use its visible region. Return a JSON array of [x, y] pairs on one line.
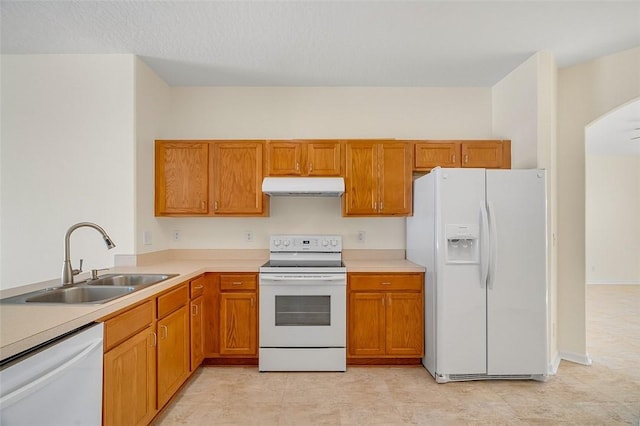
[[606, 393]]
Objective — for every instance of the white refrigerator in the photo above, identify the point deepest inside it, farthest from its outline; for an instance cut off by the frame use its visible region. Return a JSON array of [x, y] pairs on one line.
[[482, 237]]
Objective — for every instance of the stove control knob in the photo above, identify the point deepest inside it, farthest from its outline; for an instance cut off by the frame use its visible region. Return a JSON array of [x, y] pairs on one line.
[[334, 242], [286, 243], [325, 242], [276, 243]]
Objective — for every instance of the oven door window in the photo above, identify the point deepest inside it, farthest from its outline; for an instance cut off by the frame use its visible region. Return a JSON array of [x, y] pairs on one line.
[[303, 310]]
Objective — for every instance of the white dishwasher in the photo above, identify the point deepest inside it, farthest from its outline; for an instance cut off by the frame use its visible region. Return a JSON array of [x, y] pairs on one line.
[[58, 383]]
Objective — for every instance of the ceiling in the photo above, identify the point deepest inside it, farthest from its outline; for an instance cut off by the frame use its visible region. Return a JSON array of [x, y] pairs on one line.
[[336, 43], [324, 43]]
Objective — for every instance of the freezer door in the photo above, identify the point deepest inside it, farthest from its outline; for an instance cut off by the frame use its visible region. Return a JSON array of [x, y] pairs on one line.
[[460, 292], [517, 286]]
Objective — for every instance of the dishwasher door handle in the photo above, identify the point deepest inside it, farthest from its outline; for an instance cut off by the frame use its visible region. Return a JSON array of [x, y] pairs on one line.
[[42, 381]]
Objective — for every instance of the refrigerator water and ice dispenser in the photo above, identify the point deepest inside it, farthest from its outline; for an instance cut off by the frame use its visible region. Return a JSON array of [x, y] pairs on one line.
[[462, 243]]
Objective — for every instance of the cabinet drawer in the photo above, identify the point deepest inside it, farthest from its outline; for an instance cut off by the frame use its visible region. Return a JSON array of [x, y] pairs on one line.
[[382, 282], [127, 324], [197, 287], [172, 300], [238, 282]]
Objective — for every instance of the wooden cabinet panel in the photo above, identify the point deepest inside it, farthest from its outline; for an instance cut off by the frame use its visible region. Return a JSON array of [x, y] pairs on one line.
[[491, 154], [482, 154], [386, 315], [238, 324], [129, 388], [429, 155], [361, 178], [237, 178], [235, 282], [172, 300], [284, 158], [323, 158], [173, 353], [394, 179], [196, 328], [303, 158], [366, 324], [404, 330], [386, 282], [377, 178], [128, 323], [181, 178]]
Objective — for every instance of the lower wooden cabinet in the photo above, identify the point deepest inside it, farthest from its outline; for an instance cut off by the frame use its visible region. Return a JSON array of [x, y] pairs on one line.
[[386, 316], [197, 332], [238, 324], [173, 348], [129, 387]]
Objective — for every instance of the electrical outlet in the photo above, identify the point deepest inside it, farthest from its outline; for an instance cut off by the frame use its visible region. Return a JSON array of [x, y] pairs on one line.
[[146, 238], [177, 235], [361, 236], [248, 236]]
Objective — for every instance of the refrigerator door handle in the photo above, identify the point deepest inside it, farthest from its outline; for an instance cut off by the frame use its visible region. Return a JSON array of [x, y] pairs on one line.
[[493, 239], [484, 248]]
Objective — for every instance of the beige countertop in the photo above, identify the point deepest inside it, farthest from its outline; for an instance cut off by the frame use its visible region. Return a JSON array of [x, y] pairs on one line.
[[27, 325]]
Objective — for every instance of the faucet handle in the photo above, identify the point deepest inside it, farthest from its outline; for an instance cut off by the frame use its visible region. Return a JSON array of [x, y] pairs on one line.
[[77, 271]]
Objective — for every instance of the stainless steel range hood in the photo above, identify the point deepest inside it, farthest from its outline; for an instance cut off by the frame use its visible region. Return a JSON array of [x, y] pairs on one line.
[[303, 186]]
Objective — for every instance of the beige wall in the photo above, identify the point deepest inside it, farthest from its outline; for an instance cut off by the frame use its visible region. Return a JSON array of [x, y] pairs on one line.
[[67, 156], [314, 112], [585, 92], [613, 219]]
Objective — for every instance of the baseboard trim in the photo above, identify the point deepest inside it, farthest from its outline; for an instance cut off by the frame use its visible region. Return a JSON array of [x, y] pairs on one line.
[[583, 359], [611, 282]]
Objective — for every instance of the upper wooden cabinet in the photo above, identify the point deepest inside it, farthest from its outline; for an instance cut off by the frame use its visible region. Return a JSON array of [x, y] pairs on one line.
[[181, 178], [477, 153], [237, 181], [209, 178], [377, 178], [303, 158]]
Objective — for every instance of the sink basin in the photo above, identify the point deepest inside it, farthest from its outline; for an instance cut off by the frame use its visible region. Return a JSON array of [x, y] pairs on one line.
[[100, 290], [80, 294], [128, 280]]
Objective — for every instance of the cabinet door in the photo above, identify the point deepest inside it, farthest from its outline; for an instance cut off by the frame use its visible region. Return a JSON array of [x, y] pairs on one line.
[[237, 178], [361, 185], [366, 324], [284, 158], [197, 332], [238, 324], [181, 178], [404, 330], [395, 178], [323, 158], [428, 155], [173, 353], [129, 396], [485, 154]]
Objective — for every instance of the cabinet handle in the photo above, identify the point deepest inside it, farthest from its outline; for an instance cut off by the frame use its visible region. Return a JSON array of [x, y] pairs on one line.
[[297, 166], [155, 339], [375, 205], [194, 311], [453, 159], [237, 283], [253, 301], [466, 158], [202, 205], [215, 205], [385, 283], [198, 287], [166, 331], [382, 300], [381, 205], [310, 167]]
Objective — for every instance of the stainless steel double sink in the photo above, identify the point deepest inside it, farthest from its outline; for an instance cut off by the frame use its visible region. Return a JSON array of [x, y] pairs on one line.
[[92, 291]]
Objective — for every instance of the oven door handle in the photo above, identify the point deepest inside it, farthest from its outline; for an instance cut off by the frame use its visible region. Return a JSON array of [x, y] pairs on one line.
[[301, 277]]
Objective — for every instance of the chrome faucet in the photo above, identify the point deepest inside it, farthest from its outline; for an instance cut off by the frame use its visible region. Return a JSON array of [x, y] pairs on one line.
[[67, 271]]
